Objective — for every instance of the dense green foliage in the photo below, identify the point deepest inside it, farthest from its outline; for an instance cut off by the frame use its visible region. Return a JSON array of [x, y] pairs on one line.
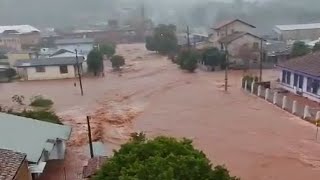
[[163, 40], [213, 57], [316, 47], [11, 73], [40, 101], [299, 48], [162, 158], [117, 61], [188, 59], [41, 115], [107, 49], [150, 44], [95, 61]]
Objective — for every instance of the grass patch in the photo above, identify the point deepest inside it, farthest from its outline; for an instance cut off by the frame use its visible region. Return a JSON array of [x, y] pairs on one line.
[[41, 115], [40, 101]]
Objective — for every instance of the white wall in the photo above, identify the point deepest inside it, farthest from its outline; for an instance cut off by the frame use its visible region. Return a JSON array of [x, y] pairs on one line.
[[51, 72]]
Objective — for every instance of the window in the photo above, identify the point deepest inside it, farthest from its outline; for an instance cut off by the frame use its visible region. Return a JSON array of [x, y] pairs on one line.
[[63, 69], [40, 69], [300, 81], [255, 45], [295, 80], [313, 86], [286, 77]]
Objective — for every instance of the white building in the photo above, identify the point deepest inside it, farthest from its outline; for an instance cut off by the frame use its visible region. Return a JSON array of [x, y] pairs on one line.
[[301, 75], [82, 45], [297, 32], [49, 68]]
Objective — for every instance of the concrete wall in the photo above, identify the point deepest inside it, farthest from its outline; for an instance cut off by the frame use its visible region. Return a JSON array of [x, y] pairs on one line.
[[30, 39], [23, 172], [234, 47], [51, 72], [229, 29], [10, 42], [13, 57], [290, 87], [304, 34]]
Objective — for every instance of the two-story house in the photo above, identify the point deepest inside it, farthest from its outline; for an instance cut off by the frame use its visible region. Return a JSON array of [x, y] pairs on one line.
[[238, 38]]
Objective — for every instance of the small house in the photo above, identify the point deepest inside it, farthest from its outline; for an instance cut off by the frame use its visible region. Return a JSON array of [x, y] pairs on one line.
[[49, 68], [40, 141], [13, 166], [301, 75], [83, 45]]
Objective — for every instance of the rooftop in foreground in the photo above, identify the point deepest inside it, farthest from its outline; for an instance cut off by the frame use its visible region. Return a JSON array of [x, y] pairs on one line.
[[10, 163], [30, 136]]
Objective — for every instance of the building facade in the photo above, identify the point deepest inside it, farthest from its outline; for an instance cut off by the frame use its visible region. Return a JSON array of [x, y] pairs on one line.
[[297, 32], [228, 28], [49, 68], [302, 76]]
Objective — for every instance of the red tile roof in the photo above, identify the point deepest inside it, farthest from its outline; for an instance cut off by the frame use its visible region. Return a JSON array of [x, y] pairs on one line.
[[93, 166], [308, 64], [10, 163]]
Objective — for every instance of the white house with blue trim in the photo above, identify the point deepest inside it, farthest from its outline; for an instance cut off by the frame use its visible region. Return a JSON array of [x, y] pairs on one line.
[[302, 76]]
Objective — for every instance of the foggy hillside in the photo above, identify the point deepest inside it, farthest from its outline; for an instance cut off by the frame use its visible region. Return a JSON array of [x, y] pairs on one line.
[[58, 13]]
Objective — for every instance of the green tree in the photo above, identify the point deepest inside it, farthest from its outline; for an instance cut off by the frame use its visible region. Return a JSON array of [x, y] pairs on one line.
[[299, 48], [150, 44], [316, 47], [162, 158], [213, 57], [117, 61], [164, 39], [187, 59], [108, 49], [95, 61]]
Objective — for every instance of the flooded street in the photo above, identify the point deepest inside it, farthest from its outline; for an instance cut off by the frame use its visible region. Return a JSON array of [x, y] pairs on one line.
[[254, 139]]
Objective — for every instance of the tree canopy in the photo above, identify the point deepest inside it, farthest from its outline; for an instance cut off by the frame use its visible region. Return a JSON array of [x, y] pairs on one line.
[[213, 57], [188, 59], [117, 61], [163, 40], [316, 47], [299, 48], [95, 61], [108, 49], [162, 158]]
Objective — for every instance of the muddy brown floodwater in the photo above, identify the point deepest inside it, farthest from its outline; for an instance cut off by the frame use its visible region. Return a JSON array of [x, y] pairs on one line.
[[253, 138]]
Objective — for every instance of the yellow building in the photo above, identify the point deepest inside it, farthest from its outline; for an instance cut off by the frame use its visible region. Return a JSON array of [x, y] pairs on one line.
[[14, 56]]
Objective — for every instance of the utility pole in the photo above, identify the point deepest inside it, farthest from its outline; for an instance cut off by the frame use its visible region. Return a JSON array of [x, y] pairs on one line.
[[226, 69], [90, 139], [188, 37], [79, 74], [261, 59]]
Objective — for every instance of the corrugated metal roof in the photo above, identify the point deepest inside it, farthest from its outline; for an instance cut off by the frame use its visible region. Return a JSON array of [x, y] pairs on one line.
[[29, 136], [19, 28], [291, 27], [74, 41], [48, 61]]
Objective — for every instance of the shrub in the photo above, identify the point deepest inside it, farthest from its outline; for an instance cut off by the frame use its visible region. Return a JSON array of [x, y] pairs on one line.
[[162, 158], [187, 59], [39, 101], [41, 115], [117, 61]]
